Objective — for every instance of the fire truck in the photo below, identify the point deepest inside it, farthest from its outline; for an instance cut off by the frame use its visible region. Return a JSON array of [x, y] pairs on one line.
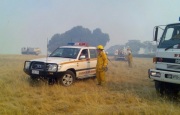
[[166, 73], [32, 51], [120, 55]]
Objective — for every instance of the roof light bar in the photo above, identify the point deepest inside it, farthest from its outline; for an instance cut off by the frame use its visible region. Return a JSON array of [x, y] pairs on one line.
[[78, 44], [70, 44]]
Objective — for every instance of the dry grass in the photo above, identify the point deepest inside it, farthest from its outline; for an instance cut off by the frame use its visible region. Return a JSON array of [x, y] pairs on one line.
[[128, 91]]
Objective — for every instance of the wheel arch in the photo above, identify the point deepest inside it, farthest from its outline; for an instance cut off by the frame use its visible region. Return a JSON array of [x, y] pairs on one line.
[[73, 70]]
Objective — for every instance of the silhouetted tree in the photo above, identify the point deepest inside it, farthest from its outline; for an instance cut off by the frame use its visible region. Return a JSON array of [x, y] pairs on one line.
[[112, 49], [78, 34], [149, 45], [135, 45], [99, 37]]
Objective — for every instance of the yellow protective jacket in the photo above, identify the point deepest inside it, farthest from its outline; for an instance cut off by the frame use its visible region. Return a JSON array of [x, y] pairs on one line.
[[102, 61], [129, 57]]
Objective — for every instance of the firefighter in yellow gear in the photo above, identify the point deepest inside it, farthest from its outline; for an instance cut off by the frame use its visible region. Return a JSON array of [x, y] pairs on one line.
[[129, 57], [101, 66]]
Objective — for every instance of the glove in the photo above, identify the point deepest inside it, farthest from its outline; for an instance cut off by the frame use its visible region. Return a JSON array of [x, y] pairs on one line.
[[105, 69]]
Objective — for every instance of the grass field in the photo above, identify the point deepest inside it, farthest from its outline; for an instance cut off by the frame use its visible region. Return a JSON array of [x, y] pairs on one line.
[[129, 91]]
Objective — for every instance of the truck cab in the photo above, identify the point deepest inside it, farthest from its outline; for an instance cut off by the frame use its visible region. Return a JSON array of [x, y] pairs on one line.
[[30, 51], [166, 73], [65, 64]]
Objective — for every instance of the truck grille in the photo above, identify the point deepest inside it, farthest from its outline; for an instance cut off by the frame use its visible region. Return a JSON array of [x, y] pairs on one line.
[[173, 66]]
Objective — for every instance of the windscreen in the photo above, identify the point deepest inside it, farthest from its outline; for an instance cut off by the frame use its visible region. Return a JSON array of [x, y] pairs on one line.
[[66, 53], [170, 37]]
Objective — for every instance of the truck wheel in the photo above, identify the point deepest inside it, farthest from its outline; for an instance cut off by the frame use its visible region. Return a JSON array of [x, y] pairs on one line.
[[67, 79], [159, 87], [171, 89]]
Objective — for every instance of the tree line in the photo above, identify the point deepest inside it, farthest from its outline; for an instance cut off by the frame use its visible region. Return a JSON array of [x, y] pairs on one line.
[[94, 38], [135, 46]]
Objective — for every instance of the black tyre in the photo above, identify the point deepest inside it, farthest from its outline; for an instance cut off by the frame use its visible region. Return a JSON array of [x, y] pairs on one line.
[[94, 77], [159, 87], [34, 81], [67, 79], [171, 89], [167, 89], [34, 78]]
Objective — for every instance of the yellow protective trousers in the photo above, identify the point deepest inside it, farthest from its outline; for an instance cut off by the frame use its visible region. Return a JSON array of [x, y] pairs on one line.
[[100, 75], [130, 60]]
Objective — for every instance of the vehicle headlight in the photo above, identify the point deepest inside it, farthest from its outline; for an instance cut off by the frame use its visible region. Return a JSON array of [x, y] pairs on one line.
[[155, 74], [52, 67], [27, 64]]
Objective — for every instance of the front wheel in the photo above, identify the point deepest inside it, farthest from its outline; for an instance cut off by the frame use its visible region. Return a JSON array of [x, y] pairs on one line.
[[167, 88], [159, 87], [67, 79]]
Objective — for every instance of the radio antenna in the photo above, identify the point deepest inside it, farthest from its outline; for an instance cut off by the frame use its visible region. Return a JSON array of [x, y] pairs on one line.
[[46, 61], [47, 51]]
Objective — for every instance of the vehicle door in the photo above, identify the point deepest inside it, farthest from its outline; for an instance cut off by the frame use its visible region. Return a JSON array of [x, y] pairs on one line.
[[83, 64], [93, 61]]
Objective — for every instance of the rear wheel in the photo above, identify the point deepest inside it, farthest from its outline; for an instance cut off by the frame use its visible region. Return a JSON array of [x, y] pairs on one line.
[[67, 79]]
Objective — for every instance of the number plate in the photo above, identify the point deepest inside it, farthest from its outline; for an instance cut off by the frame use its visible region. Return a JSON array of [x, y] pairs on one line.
[[176, 77], [35, 72]]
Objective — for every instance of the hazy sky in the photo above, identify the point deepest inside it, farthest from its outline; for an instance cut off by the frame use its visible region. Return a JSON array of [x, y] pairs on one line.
[[32, 22]]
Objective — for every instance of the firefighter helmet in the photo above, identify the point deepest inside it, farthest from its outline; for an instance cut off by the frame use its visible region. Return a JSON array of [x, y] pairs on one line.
[[100, 47]]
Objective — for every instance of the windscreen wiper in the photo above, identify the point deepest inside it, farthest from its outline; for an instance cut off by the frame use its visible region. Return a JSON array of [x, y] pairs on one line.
[[55, 56], [171, 46]]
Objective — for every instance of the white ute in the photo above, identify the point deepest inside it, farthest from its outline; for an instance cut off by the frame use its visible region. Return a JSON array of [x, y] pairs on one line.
[[65, 64]]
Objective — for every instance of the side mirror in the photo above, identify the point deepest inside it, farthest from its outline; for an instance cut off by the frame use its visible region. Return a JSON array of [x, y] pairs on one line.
[[82, 57], [156, 34]]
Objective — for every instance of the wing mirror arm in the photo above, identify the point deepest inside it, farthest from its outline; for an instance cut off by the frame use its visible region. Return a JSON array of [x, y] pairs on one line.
[[156, 33]]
